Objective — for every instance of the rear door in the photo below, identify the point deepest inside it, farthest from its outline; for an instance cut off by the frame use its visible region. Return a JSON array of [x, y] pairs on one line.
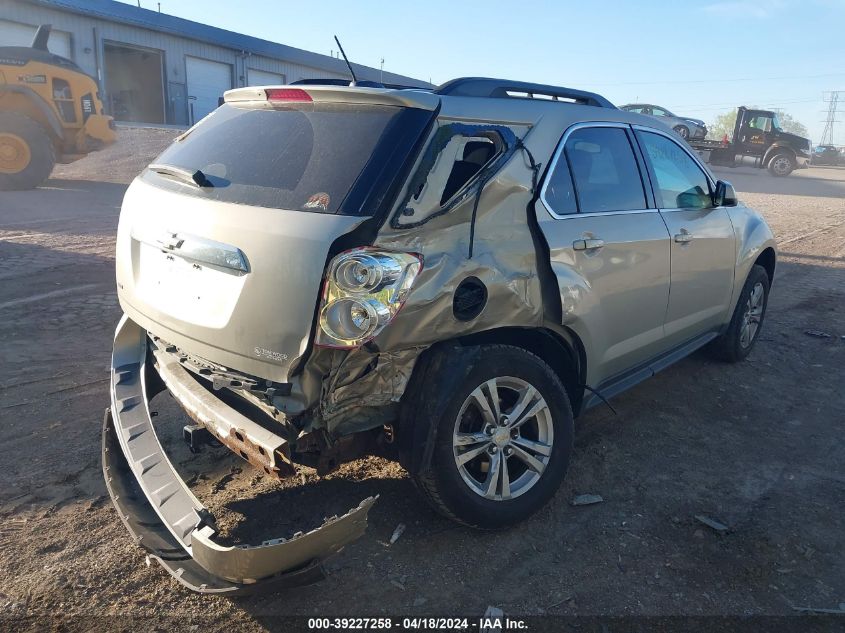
[[702, 238], [609, 247]]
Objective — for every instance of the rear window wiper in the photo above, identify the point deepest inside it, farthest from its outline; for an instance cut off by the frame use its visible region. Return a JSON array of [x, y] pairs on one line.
[[196, 178]]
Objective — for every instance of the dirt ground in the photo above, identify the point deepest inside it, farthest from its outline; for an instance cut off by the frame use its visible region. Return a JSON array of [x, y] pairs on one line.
[[758, 446]]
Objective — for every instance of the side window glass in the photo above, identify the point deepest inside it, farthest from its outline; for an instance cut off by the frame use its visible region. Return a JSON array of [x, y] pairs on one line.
[[680, 181], [659, 112], [452, 161], [604, 170], [558, 193], [761, 123]]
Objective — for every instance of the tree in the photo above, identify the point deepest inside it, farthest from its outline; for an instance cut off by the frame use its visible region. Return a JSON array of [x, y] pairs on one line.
[[791, 125], [724, 124]]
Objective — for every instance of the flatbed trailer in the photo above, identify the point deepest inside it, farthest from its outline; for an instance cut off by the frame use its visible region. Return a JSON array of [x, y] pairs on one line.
[[758, 141]]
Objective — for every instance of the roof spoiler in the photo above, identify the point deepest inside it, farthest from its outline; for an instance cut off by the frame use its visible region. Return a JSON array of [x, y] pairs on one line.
[[334, 94], [505, 88], [42, 34]]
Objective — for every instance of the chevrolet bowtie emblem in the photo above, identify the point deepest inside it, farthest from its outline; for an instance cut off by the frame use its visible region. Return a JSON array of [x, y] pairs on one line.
[[170, 241]]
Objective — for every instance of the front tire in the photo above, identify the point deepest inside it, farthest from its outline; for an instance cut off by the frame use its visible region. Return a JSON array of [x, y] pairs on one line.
[[747, 320], [27, 155], [781, 165], [503, 443], [682, 131]]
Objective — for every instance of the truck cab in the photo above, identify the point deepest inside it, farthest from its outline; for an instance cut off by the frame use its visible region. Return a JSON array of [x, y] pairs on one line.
[[758, 134]]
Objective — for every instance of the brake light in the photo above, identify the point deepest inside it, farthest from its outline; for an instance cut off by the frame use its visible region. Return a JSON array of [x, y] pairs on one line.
[[287, 94], [365, 288]]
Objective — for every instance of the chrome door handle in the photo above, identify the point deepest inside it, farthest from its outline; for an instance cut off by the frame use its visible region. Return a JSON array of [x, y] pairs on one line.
[[587, 245], [684, 237]]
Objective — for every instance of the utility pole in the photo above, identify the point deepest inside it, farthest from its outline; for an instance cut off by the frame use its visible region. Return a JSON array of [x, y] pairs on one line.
[[832, 99]]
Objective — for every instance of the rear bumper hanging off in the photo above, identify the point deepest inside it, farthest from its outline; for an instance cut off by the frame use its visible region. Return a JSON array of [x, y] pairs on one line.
[[166, 519]]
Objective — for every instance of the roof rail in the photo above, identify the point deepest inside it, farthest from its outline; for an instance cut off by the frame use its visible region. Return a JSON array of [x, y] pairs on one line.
[[364, 83], [486, 87]]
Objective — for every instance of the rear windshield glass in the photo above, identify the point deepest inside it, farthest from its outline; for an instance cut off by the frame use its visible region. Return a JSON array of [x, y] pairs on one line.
[[304, 157]]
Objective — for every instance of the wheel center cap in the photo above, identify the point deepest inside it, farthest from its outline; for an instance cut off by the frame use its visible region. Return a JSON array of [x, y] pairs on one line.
[[501, 437]]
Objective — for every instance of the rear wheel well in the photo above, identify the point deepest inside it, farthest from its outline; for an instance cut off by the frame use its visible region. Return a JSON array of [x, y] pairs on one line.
[[564, 357], [767, 260]]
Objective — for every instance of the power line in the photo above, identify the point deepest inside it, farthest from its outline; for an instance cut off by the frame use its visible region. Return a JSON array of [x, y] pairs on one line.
[[751, 102], [733, 103], [706, 81]]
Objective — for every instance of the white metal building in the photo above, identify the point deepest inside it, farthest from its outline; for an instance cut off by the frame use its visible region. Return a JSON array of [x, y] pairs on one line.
[[157, 68]]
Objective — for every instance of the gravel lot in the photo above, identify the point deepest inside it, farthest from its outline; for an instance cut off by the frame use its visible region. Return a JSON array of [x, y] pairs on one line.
[[758, 446]]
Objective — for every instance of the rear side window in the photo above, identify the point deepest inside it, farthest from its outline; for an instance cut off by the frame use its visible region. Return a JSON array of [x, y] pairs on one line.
[[457, 161], [681, 184], [604, 170], [558, 193], [300, 157]]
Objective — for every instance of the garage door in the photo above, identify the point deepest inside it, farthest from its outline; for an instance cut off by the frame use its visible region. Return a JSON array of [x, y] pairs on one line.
[[207, 81], [17, 34], [263, 78]]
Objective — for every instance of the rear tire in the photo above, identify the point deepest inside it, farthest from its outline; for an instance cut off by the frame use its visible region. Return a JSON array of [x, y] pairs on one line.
[[781, 165], [27, 156], [747, 320], [528, 454]]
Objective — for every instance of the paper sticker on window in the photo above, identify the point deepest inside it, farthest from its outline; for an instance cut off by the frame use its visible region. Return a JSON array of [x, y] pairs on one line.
[[318, 201]]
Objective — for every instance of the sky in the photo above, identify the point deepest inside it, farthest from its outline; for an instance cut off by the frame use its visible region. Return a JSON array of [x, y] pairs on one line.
[[696, 58]]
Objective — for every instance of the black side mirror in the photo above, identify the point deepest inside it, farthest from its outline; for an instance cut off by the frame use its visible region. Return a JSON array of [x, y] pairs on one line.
[[724, 196]]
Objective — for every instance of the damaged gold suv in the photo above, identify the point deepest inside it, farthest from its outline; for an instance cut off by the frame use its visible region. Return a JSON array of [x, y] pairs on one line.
[[446, 277]]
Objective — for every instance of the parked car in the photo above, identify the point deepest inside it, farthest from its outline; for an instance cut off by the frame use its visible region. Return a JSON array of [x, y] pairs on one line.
[[447, 278], [826, 155], [686, 127]]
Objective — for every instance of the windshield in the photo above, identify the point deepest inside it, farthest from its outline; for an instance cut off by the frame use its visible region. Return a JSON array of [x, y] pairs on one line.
[[302, 156]]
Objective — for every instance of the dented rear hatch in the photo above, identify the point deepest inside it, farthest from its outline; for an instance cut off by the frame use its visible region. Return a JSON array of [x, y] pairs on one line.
[[222, 241]]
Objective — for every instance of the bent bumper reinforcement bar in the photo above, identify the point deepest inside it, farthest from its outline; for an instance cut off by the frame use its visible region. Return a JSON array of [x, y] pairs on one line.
[[166, 519]]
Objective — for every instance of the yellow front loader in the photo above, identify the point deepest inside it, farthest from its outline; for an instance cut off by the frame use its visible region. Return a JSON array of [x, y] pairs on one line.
[[50, 111]]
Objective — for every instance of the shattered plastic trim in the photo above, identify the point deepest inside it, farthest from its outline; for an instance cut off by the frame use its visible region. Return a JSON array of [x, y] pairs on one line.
[[189, 523]]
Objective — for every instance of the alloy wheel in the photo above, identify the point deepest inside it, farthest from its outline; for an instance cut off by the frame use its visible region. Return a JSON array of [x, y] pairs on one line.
[[752, 316], [503, 437]]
